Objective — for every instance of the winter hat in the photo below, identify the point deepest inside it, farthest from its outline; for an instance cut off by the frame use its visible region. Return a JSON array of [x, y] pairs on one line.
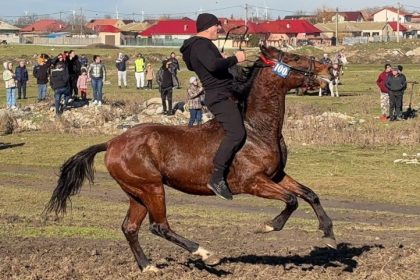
[[205, 21], [193, 79]]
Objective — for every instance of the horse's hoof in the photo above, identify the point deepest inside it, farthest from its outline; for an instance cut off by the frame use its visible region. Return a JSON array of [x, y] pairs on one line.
[[264, 228], [151, 268], [330, 242], [212, 260]]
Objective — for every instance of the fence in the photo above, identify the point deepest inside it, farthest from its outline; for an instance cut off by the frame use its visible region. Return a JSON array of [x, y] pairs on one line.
[[374, 39], [152, 42], [66, 41]]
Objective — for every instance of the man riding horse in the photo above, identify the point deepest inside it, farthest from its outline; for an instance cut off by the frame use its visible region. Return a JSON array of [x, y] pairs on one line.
[[211, 66]]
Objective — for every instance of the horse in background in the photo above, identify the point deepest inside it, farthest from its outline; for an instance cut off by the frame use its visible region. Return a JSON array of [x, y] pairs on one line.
[[148, 156]]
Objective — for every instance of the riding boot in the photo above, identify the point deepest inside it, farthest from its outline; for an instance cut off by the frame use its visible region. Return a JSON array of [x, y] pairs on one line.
[[218, 185]]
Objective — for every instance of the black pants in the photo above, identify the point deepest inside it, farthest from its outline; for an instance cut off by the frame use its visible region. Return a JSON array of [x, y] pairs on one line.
[[395, 104], [73, 85], [166, 94], [21, 86], [227, 114], [149, 84]]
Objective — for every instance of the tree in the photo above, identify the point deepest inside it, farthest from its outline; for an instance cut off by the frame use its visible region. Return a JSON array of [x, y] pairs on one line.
[[324, 14], [26, 20], [76, 21]]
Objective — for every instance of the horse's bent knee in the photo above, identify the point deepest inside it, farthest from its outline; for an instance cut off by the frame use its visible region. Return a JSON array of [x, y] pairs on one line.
[[158, 229], [292, 202]]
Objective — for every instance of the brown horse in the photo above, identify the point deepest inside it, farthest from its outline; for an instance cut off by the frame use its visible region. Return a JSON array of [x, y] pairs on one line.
[[146, 157]]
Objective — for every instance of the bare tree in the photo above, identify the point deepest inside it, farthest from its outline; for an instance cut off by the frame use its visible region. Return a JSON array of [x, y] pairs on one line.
[[324, 14]]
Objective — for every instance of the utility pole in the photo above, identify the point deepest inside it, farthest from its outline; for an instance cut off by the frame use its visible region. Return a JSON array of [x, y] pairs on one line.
[[74, 20], [398, 23], [246, 14], [142, 16], [81, 21], [336, 26]]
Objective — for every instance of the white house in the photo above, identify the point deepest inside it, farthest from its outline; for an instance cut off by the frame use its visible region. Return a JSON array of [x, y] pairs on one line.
[[391, 14]]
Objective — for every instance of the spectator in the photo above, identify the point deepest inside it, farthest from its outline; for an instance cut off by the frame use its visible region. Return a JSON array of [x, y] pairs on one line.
[[195, 94], [395, 85], [150, 76], [74, 68], [97, 74], [164, 79], [41, 73], [400, 71], [121, 64], [325, 59], [83, 61], [21, 78], [381, 82], [82, 84], [139, 66], [60, 84], [10, 84], [174, 68]]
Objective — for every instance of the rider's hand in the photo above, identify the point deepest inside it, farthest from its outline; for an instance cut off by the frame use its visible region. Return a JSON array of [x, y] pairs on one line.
[[240, 55]]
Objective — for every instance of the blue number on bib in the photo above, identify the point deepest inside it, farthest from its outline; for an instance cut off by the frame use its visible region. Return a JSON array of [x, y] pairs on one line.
[[281, 70]]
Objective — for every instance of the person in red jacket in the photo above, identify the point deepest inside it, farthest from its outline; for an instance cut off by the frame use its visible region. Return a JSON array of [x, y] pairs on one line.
[[381, 82]]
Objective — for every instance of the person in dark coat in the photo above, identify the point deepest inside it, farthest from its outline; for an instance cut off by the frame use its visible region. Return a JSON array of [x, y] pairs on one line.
[[75, 69], [212, 68], [41, 72], [60, 84], [165, 82], [396, 85], [22, 78], [174, 68]]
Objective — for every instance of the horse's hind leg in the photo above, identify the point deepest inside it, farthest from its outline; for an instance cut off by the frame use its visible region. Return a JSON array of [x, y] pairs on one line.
[[155, 203], [130, 227], [325, 223], [266, 188]]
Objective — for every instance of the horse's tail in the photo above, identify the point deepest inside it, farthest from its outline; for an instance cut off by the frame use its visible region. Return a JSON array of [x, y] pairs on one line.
[[72, 175]]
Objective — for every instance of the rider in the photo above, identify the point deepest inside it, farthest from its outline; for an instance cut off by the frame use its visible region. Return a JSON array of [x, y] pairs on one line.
[[211, 67]]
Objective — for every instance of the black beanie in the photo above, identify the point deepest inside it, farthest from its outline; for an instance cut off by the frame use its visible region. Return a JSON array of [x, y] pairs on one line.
[[205, 20]]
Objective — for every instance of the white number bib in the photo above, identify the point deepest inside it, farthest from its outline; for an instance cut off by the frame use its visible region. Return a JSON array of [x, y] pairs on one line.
[[281, 70]]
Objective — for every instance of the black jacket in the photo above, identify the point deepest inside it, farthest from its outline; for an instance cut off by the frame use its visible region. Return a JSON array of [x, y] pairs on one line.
[[41, 73], [74, 66], [164, 79], [59, 78], [203, 57], [396, 84]]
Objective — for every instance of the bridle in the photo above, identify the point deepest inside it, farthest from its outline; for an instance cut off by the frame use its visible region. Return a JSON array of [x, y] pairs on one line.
[[309, 73]]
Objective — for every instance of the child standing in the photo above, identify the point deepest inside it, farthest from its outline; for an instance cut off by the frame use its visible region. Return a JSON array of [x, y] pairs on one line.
[[194, 97], [150, 76], [21, 78], [82, 84], [10, 84]]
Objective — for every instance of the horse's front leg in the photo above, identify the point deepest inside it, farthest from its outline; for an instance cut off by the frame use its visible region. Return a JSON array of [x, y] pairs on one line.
[[325, 223], [263, 186]]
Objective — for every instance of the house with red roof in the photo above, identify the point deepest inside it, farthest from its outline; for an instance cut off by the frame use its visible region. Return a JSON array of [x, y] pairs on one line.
[[109, 34], [280, 32], [391, 14], [44, 26], [171, 29], [92, 24], [352, 16]]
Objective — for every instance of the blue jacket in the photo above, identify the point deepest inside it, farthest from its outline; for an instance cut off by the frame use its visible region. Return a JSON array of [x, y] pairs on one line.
[[21, 74]]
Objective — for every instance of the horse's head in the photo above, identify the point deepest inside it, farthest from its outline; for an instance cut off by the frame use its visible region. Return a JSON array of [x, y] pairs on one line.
[[301, 69]]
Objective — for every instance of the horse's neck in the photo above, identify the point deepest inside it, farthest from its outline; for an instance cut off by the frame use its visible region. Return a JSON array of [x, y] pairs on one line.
[[265, 111]]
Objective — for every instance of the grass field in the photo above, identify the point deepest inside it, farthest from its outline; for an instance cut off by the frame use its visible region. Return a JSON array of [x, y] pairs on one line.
[[374, 203]]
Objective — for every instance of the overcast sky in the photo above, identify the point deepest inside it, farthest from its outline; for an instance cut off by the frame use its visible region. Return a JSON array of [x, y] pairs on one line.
[[175, 8]]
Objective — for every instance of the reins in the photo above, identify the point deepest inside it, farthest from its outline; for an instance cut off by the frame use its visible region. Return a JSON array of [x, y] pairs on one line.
[[242, 36]]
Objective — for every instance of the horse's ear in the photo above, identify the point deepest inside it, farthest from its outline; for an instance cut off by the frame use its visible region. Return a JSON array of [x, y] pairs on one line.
[[263, 48]]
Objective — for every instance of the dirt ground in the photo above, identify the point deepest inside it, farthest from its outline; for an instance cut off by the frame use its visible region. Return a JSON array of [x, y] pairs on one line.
[[381, 245]]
